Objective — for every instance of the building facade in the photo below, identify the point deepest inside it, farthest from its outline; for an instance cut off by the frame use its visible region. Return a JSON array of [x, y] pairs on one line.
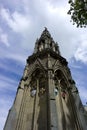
[[46, 98]]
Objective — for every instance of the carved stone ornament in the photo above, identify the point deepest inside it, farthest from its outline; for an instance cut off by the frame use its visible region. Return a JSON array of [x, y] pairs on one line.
[[42, 91], [33, 92]]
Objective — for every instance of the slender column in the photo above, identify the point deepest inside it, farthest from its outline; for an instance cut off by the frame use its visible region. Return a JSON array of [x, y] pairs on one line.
[[52, 103], [35, 107], [21, 112], [61, 111]]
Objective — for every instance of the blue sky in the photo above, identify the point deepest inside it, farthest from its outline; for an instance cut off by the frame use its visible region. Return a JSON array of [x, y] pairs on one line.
[[21, 22]]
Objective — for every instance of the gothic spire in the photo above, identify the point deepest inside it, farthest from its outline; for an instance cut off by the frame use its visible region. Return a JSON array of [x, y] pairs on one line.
[[45, 34], [46, 42]]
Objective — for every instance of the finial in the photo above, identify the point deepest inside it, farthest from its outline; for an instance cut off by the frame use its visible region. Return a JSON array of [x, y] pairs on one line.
[[45, 28]]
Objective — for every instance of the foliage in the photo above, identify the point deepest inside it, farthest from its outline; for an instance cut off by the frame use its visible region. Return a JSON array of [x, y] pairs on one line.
[[78, 12]]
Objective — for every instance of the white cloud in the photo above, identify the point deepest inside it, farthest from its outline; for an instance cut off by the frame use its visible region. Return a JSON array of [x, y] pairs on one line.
[[7, 84], [18, 57], [36, 16], [4, 38], [81, 52], [16, 21]]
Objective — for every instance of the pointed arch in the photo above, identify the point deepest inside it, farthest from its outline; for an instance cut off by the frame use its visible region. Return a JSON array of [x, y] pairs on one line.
[[38, 72], [36, 65], [40, 75], [60, 77]]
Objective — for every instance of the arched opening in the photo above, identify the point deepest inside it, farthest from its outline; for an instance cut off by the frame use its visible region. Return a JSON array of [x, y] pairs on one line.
[[39, 75], [59, 76], [38, 82], [60, 83]]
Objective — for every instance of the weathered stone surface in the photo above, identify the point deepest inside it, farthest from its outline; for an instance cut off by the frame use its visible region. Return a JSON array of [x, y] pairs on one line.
[[47, 98]]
